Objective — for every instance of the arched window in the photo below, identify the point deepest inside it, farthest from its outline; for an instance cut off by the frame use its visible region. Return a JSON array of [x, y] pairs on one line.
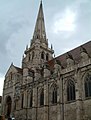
[[42, 97], [88, 86], [31, 99], [42, 55], [42, 71], [38, 36], [70, 90], [47, 56], [22, 99], [54, 95]]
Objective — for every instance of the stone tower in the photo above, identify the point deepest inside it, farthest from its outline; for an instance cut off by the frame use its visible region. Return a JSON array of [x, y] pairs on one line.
[[38, 51]]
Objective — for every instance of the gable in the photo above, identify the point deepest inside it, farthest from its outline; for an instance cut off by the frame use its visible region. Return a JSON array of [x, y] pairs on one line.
[[12, 70]]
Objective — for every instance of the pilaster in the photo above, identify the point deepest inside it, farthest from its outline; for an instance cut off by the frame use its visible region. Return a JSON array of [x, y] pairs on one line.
[[79, 102], [46, 102]]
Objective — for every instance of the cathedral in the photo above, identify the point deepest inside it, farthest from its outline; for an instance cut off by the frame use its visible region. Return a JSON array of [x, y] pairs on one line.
[[47, 87]]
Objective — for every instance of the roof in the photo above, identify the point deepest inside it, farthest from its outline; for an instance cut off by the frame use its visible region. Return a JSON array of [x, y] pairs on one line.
[[39, 31], [75, 53], [20, 70]]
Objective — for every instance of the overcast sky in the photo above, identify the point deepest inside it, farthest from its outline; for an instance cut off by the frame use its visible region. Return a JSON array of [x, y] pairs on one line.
[[68, 25]]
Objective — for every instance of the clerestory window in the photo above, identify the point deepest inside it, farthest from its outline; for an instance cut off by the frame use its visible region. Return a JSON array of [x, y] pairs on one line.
[[88, 86], [70, 91], [54, 95]]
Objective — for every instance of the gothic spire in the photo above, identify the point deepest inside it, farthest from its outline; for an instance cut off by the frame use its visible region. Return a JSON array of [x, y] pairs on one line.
[[39, 31]]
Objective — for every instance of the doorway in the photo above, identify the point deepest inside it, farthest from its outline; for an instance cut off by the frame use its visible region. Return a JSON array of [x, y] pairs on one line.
[[8, 106]]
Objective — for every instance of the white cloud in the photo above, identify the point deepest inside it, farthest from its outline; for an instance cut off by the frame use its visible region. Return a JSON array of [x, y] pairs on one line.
[[65, 22], [1, 84], [83, 1]]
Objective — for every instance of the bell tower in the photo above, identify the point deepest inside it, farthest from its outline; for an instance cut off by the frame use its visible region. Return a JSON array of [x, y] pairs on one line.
[[38, 52]]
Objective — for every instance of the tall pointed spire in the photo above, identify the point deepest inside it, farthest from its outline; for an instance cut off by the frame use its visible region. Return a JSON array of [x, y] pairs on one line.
[[39, 31]]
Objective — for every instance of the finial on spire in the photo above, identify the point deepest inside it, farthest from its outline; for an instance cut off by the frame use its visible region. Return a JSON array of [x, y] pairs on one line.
[[26, 47], [11, 63], [23, 56], [41, 1], [51, 47]]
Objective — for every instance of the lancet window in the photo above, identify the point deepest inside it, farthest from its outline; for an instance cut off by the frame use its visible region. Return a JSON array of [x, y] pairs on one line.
[[70, 90], [88, 86]]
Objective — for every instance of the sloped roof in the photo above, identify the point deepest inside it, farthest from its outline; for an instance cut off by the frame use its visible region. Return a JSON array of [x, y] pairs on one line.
[[40, 24], [75, 54], [20, 70]]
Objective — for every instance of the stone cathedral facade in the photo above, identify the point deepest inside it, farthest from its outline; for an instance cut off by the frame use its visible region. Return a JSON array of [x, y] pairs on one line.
[[47, 88]]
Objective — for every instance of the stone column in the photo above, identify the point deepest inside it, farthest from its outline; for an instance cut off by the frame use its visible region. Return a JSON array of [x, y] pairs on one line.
[[25, 99], [46, 102], [37, 75], [12, 109], [13, 103], [25, 74], [78, 89], [28, 98], [35, 104], [58, 100]]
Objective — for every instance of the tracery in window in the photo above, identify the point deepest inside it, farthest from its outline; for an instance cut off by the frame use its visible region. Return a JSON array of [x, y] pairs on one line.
[[88, 86], [54, 94], [70, 90]]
